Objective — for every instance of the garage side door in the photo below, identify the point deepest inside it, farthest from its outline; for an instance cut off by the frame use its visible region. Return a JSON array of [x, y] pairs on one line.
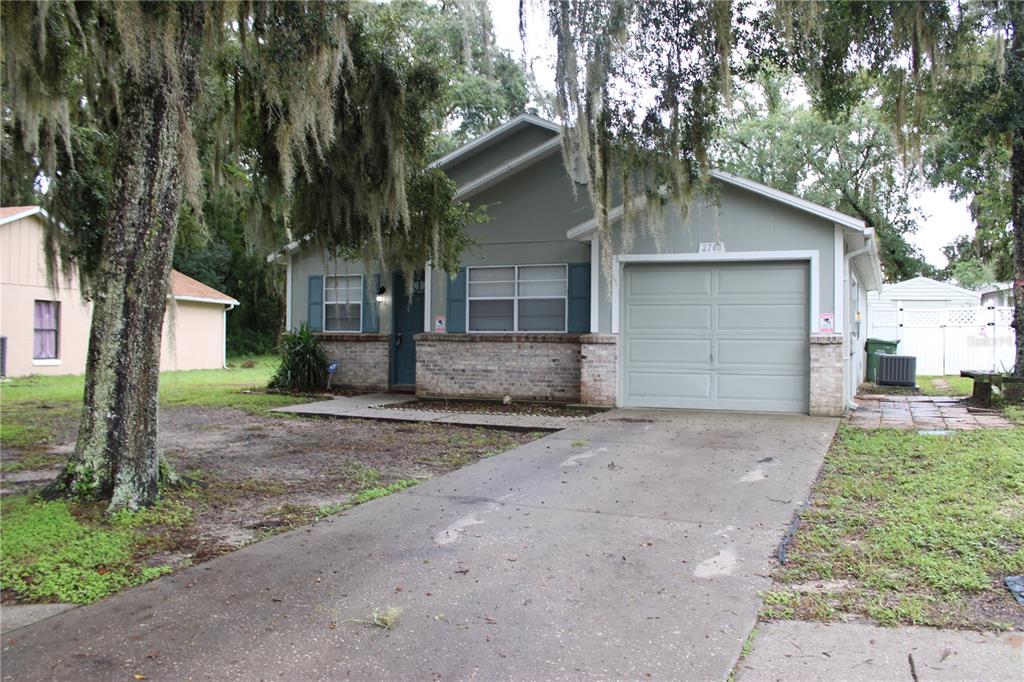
[[726, 336]]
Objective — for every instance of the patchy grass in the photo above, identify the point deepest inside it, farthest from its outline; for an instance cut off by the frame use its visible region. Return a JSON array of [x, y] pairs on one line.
[[383, 491], [38, 410], [955, 385], [66, 552], [910, 529]]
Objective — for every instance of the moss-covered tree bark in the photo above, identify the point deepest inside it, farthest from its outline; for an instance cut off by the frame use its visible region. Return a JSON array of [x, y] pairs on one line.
[[1015, 72], [116, 455]]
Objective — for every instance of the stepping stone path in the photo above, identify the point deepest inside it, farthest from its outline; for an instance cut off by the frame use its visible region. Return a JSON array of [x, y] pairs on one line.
[[914, 412]]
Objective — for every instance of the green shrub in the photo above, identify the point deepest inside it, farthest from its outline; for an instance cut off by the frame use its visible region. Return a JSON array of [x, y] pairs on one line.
[[303, 362]]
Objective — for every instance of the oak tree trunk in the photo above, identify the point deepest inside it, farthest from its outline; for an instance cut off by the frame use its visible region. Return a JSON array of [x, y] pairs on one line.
[[116, 454]]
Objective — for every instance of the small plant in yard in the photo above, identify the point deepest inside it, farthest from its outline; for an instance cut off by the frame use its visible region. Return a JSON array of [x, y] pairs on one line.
[[303, 362], [386, 618], [358, 475], [373, 493]]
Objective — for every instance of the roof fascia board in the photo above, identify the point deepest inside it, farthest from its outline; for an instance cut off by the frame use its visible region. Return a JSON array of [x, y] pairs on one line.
[[494, 135], [31, 211], [581, 231], [202, 299], [842, 219]]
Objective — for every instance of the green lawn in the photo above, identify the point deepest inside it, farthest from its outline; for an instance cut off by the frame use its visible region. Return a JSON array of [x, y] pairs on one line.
[[909, 529], [957, 385], [34, 407]]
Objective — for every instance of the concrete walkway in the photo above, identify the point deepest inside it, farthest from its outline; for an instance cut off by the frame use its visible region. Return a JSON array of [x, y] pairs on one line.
[[366, 407], [630, 546], [794, 650]]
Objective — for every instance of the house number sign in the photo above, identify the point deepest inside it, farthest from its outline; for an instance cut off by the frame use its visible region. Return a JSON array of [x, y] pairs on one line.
[[711, 247]]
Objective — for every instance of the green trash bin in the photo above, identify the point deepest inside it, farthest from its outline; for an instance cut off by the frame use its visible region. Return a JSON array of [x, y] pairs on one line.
[[874, 348]]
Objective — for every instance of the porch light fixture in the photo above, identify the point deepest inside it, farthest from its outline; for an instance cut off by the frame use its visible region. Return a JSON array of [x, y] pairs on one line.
[[380, 294]]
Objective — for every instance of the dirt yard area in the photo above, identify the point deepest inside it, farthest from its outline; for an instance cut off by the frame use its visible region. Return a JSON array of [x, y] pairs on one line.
[[278, 468], [247, 476]]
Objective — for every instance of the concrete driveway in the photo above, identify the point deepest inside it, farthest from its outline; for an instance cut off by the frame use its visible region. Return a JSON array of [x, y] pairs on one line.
[[630, 546]]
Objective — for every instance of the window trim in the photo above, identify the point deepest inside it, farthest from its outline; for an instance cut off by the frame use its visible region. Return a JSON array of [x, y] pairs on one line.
[[55, 360], [516, 298], [362, 296]]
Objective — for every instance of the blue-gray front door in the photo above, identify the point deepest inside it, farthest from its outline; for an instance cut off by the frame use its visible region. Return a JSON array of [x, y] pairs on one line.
[[408, 322]]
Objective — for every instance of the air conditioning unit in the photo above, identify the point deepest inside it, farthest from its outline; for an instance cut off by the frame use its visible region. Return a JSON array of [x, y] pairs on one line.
[[897, 370]]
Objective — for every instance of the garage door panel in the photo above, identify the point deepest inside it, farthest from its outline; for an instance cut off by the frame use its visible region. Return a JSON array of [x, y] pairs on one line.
[[760, 387], [759, 281], [681, 385], [755, 318], [664, 279], [782, 353], [669, 318], [668, 351]]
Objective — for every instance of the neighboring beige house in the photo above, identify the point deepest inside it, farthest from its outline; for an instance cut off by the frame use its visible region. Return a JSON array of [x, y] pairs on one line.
[[45, 330]]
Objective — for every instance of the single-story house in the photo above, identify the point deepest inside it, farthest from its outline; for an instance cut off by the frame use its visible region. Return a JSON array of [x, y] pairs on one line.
[[754, 302], [916, 294], [45, 330], [997, 295]]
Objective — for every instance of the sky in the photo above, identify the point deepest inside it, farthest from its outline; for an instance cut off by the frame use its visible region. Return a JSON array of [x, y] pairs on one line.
[[944, 219]]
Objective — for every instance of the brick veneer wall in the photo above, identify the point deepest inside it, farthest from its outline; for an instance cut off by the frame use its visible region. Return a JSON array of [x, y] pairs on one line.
[[524, 366], [827, 375], [599, 357], [363, 359]]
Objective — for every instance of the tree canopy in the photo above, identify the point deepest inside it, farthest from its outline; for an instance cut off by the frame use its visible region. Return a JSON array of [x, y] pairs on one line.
[[851, 164], [320, 115]]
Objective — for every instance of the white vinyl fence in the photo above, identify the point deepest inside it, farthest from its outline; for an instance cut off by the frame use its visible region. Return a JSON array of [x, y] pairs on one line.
[[948, 340]]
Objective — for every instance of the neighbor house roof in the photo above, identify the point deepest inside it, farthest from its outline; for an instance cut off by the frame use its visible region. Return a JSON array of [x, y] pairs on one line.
[[8, 214], [995, 286], [184, 288], [926, 288]]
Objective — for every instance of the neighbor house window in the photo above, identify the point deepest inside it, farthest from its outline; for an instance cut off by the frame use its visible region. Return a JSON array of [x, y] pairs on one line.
[[45, 342], [343, 303], [522, 298]]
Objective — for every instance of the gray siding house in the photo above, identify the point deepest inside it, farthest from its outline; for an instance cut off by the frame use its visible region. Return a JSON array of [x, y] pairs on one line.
[[755, 302]]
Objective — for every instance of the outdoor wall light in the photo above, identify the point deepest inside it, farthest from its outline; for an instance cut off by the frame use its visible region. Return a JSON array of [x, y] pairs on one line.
[[380, 294]]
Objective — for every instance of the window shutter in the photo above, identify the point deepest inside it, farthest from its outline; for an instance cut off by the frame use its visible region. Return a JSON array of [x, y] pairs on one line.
[[579, 298], [315, 318], [371, 311], [457, 302]]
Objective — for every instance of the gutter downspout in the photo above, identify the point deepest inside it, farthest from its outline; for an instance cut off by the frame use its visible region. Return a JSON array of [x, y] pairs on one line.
[[868, 245], [224, 334], [288, 296]]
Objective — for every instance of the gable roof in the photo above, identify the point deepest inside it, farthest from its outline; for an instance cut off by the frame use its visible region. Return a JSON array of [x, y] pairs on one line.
[[525, 160], [184, 288], [494, 136]]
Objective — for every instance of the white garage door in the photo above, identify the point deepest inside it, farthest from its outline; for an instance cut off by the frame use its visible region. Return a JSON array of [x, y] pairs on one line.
[[725, 336]]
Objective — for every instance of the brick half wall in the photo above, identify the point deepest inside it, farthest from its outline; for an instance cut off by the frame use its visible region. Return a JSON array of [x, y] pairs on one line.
[[524, 366], [363, 359], [827, 375]]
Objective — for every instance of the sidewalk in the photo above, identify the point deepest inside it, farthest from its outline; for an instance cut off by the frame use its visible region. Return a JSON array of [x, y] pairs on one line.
[[367, 407], [798, 650]]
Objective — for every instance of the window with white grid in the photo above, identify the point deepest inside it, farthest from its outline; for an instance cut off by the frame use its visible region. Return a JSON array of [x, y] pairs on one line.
[[343, 303], [517, 298]]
